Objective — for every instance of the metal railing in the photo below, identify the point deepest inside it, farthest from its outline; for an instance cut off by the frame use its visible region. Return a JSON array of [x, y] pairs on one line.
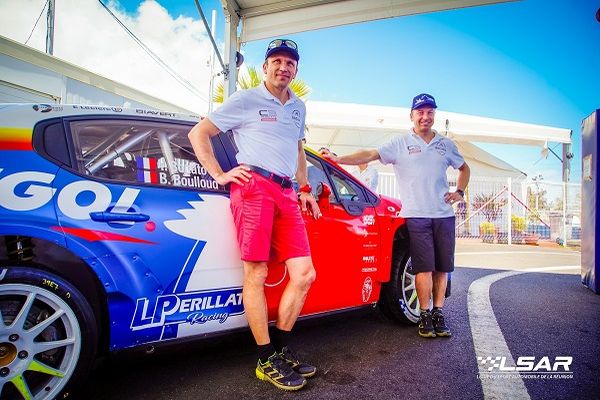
[[505, 210]]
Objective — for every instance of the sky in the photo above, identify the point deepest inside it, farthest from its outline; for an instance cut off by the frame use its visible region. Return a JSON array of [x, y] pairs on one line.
[[531, 61]]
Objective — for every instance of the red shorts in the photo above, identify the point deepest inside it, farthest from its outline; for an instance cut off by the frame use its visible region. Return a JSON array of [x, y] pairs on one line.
[[268, 221]]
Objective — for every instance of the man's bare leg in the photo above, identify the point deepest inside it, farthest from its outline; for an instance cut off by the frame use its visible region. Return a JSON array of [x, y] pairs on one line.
[[424, 286], [440, 281], [302, 275], [255, 302]]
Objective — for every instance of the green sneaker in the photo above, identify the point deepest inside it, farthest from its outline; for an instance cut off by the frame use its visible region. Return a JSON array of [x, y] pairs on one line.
[[304, 369], [277, 371]]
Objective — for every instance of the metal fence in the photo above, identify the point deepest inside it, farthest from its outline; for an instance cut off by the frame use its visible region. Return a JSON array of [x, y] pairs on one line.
[[504, 210]]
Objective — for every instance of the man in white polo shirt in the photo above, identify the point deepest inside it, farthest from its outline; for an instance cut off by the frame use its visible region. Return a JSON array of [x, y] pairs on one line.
[[268, 127], [368, 175], [420, 158]]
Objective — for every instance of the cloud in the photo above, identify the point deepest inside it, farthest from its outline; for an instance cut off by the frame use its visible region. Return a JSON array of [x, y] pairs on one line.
[[86, 35]]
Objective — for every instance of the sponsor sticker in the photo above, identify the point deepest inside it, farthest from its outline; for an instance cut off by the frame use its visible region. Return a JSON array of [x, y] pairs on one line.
[[190, 307], [98, 108], [267, 115], [44, 108], [414, 149], [367, 289], [368, 220]]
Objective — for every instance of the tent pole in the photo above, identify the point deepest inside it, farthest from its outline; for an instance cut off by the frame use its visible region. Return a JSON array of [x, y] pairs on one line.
[[566, 160], [232, 21], [510, 195]]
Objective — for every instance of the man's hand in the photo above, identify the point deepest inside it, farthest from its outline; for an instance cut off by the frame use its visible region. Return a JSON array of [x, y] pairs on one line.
[[452, 197], [307, 198], [240, 175], [328, 154]]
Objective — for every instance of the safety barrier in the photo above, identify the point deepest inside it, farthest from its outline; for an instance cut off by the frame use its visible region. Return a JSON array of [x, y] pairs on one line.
[[506, 210]]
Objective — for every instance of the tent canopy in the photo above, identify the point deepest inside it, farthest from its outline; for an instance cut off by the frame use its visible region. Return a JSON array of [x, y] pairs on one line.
[[347, 126], [262, 19], [485, 164], [267, 18]]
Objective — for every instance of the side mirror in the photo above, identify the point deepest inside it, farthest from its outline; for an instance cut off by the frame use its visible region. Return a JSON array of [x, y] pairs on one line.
[[323, 193]]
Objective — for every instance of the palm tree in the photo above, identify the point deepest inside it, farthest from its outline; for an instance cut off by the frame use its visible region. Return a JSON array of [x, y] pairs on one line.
[[255, 78]]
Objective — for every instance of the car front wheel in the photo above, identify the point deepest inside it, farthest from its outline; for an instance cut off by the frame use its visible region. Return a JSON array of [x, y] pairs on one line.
[[48, 334], [398, 299]]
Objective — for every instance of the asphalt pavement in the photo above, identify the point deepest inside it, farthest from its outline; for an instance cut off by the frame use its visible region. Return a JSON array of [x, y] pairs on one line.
[[537, 309]]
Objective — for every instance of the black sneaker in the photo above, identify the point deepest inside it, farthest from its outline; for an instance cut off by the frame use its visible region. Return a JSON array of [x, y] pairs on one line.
[[304, 369], [439, 325], [426, 325], [277, 371]]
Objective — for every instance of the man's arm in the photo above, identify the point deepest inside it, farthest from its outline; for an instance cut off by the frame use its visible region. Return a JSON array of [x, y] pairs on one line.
[[462, 180], [464, 175], [302, 179], [200, 138], [358, 157], [302, 172]]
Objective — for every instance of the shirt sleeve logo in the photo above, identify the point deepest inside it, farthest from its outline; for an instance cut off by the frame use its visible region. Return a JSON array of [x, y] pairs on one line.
[[267, 115], [296, 118], [413, 149]]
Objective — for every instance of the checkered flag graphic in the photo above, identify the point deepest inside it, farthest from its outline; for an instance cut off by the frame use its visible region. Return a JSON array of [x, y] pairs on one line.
[[493, 362]]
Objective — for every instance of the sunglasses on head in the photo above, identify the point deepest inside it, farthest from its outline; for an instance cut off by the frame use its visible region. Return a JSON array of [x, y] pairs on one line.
[[283, 42]]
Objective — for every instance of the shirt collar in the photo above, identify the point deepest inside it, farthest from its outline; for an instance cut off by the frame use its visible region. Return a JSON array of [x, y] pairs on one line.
[[268, 95], [436, 136]]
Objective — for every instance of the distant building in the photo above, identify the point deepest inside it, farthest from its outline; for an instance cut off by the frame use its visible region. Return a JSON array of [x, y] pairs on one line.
[[28, 75]]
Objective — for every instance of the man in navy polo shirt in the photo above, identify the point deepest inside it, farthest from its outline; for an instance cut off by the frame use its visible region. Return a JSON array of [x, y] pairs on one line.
[[268, 127], [420, 158]]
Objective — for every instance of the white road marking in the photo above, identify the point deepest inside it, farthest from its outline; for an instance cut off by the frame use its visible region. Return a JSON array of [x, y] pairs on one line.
[[487, 336], [553, 268], [478, 253]]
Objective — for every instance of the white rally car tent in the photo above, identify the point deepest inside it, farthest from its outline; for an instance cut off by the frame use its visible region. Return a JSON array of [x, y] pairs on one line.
[[345, 127]]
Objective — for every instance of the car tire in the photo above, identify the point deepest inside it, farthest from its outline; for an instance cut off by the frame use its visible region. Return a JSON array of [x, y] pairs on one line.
[[398, 300], [38, 308]]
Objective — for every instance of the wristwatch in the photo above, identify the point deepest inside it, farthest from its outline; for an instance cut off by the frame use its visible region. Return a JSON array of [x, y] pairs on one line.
[[305, 189], [461, 192]]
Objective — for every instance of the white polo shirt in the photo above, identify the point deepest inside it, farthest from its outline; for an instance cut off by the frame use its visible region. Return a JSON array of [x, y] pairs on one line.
[[266, 132], [370, 177], [420, 170]]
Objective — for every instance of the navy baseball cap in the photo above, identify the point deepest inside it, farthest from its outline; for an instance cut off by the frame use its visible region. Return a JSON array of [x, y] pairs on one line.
[[423, 99], [286, 45]]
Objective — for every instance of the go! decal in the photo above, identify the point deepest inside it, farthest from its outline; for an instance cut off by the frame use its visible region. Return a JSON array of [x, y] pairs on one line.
[[30, 190]]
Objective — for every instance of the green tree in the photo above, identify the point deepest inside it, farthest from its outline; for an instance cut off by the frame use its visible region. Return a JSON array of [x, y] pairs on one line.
[[255, 78]]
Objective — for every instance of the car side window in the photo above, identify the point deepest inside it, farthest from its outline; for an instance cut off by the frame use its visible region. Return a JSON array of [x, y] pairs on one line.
[[346, 189], [139, 152], [316, 174]]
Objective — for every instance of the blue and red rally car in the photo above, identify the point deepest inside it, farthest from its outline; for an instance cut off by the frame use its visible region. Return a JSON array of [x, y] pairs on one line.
[[113, 236]]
